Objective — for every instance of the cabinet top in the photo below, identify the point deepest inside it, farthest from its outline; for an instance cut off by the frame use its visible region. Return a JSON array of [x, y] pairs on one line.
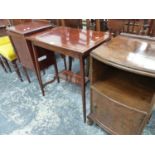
[[129, 52], [28, 27]]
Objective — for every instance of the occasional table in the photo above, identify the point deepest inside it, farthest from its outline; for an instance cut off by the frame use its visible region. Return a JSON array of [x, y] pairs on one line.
[[76, 43]]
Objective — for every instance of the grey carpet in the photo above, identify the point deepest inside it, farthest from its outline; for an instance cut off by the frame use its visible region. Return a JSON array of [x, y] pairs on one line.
[[23, 110]]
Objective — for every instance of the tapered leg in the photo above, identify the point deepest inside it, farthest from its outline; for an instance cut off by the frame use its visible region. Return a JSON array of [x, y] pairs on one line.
[[7, 64], [82, 73], [56, 72], [37, 70], [40, 81], [17, 70], [70, 63], [26, 74], [3, 66]]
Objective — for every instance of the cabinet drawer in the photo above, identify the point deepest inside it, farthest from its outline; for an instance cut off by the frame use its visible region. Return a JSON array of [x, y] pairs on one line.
[[118, 118]]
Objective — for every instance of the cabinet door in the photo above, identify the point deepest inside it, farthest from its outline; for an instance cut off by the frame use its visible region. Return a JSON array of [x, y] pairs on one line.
[[114, 117]]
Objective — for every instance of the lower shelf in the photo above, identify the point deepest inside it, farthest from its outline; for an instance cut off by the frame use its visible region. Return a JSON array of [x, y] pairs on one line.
[[71, 77]]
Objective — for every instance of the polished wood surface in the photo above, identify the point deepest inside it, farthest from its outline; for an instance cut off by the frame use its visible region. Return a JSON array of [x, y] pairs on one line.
[[76, 43], [130, 52], [29, 27], [77, 40]]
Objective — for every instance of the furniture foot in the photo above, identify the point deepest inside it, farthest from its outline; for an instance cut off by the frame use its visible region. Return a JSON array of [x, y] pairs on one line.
[[82, 74], [90, 121], [7, 64], [3, 66], [64, 58], [26, 74], [56, 72]]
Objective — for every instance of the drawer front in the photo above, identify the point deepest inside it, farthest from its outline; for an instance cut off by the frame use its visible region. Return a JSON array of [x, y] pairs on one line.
[[119, 119]]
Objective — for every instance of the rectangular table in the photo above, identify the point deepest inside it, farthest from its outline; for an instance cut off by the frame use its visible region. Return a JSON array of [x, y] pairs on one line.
[[76, 43]]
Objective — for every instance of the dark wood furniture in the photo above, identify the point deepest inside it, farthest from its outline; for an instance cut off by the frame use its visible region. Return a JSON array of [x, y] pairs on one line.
[[24, 50], [123, 84], [76, 43], [3, 65]]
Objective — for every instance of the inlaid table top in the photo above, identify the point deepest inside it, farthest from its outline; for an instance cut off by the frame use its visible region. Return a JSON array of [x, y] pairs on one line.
[[77, 40]]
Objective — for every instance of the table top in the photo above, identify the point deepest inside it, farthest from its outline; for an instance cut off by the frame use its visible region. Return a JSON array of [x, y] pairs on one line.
[[129, 52], [29, 27], [78, 40]]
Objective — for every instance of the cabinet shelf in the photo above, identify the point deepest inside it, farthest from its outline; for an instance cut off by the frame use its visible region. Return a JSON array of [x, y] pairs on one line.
[[122, 91], [128, 89]]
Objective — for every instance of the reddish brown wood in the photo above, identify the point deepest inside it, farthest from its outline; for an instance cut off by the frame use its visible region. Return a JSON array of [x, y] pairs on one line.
[[19, 21], [73, 23], [2, 64], [14, 63]]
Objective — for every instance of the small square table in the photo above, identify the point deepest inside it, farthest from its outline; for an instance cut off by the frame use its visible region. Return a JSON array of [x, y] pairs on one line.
[[76, 43]]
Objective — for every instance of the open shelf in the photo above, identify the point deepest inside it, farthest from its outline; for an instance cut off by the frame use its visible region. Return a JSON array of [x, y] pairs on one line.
[[128, 89]]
